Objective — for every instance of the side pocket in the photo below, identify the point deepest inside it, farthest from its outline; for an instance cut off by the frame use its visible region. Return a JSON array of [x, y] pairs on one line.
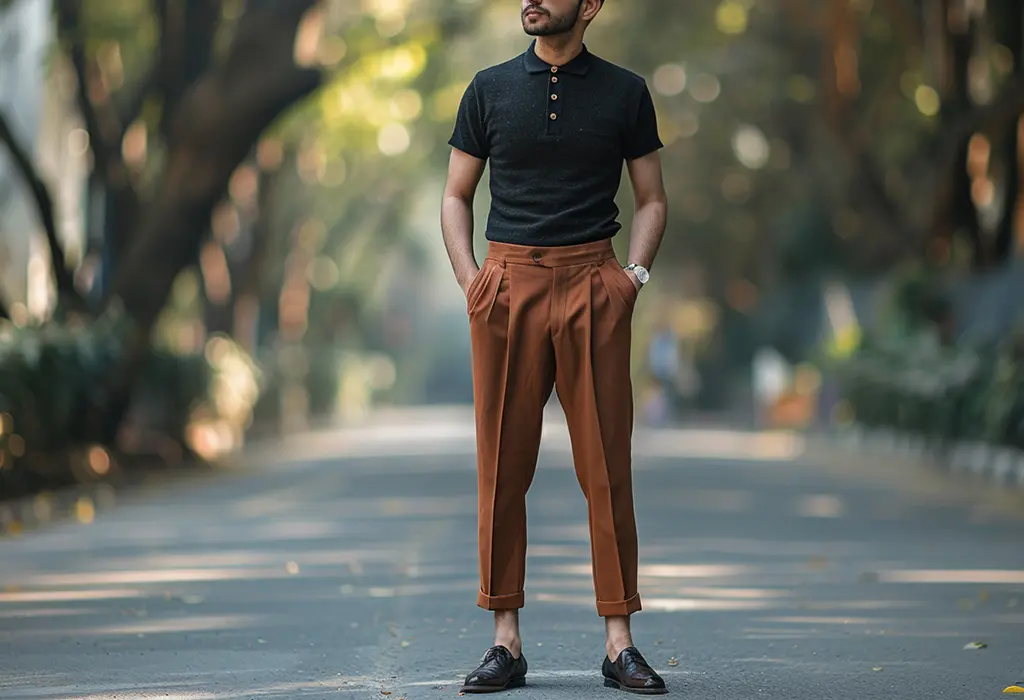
[[616, 281], [631, 290], [478, 283]]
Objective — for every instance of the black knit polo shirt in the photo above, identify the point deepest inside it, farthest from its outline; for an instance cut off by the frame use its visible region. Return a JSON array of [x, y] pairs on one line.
[[556, 139]]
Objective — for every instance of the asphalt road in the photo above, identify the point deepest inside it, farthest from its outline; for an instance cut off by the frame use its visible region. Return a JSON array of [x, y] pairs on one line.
[[343, 565]]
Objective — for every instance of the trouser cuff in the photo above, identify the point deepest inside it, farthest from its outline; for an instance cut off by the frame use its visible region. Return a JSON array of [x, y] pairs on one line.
[[619, 608], [511, 601]]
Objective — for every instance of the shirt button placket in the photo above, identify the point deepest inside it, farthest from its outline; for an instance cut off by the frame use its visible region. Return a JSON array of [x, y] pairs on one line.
[[552, 102]]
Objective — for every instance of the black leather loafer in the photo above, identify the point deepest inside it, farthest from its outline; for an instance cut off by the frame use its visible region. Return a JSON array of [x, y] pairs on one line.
[[497, 671], [632, 673]]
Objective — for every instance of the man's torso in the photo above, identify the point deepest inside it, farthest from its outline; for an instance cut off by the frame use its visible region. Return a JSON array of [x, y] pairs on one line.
[[556, 140]]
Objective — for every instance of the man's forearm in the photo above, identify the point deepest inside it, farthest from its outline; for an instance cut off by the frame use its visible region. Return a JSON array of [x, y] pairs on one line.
[[646, 232], [457, 230]]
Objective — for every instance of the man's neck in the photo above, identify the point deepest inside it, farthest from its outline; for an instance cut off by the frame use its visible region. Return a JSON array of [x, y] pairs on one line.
[[558, 50]]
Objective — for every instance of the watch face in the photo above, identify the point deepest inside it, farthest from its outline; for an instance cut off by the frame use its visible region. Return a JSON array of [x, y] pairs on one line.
[[641, 274]]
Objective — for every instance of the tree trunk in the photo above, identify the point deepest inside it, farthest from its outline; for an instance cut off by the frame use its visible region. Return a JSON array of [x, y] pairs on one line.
[[840, 78], [216, 126], [954, 210], [1008, 219], [1008, 23], [187, 31]]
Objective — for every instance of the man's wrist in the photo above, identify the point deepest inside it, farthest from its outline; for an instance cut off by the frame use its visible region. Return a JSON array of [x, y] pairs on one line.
[[639, 271], [466, 278]]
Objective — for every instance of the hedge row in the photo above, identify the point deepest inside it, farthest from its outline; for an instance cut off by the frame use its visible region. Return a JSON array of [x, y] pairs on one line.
[[945, 394], [183, 405]]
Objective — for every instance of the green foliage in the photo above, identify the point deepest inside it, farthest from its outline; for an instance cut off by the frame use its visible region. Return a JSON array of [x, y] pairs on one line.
[[47, 373], [968, 392], [916, 300]]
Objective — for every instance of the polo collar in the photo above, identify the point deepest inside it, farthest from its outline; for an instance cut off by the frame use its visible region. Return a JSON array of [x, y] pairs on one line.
[[535, 64]]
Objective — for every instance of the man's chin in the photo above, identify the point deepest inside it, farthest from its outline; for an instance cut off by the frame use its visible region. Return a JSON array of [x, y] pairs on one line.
[[540, 31]]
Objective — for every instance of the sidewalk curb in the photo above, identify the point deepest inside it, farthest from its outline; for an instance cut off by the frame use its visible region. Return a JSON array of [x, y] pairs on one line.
[[996, 464]]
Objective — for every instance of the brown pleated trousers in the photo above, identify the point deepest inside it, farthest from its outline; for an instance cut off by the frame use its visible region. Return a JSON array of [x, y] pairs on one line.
[[543, 317]]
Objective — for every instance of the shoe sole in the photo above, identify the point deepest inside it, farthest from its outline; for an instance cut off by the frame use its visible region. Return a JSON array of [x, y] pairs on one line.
[[514, 683], [609, 683]]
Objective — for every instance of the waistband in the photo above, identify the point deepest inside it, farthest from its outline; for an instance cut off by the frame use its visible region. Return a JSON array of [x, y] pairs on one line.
[[551, 256]]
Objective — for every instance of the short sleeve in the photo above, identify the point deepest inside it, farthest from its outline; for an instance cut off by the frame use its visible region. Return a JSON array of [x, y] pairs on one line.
[[642, 135], [470, 133]]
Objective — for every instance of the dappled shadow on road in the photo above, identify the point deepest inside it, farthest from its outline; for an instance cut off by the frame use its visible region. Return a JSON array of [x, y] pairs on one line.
[[358, 573]]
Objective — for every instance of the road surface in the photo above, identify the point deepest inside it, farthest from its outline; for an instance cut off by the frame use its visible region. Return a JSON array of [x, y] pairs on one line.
[[342, 564]]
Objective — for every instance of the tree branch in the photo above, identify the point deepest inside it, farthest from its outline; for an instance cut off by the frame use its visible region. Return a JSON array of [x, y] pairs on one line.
[[103, 129], [44, 206], [103, 124]]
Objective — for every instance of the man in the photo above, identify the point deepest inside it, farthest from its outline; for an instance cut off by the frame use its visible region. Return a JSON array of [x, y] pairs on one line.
[[550, 307]]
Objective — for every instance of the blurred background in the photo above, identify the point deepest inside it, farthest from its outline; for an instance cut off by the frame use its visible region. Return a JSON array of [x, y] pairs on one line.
[[220, 219]]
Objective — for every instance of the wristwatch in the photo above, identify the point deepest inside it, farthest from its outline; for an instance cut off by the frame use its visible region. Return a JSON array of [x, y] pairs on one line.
[[640, 271]]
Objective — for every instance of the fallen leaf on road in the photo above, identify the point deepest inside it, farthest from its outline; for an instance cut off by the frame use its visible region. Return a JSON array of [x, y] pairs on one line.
[[1015, 688], [877, 668], [975, 645], [292, 568], [673, 661], [404, 643], [385, 692]]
